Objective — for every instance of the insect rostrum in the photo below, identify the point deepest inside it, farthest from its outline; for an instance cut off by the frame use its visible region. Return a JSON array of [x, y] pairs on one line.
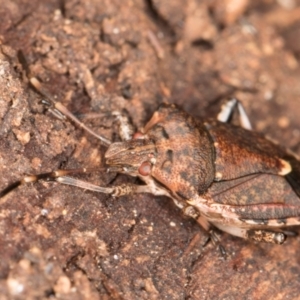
[[222, 175]]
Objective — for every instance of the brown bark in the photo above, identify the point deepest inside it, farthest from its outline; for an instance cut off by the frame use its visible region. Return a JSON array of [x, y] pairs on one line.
[[99, 56]]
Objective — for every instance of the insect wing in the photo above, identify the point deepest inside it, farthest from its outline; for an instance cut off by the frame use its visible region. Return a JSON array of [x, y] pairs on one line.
[[241, 152], [258, 198]]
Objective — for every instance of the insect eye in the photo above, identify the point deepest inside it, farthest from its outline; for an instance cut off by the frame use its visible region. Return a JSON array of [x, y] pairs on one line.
[[138, 135], [145, 168]]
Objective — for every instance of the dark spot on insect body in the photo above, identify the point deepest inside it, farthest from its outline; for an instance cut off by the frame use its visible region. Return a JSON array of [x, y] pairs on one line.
[[164, 133], [184, 175], [281, 221], [168, 162], [160, 132], [181, 195], [163, 106], [184, 151], [181, 129], [167, 166], [261, 221], [169, 155], [190, 123]]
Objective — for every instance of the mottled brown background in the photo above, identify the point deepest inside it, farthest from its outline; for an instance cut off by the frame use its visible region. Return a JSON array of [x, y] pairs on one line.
[[103, 55]]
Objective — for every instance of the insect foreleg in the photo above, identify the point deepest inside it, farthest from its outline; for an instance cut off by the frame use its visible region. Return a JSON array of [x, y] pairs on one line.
[[50, 176], [83, 184], [116, 191], [227, 111]]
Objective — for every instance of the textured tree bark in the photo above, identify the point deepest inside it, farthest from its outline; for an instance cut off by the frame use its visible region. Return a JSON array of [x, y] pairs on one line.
[[102, 56]]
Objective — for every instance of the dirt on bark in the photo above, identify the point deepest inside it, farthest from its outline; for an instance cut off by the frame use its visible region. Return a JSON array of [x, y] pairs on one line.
[[96, 57]]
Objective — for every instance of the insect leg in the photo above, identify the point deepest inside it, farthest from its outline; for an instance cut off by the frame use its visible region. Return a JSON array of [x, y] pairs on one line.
[[216, 242], [116, 191], [267, 236], [227, 111], [83, 184], [50, 176], [212, 236], [64, 111], [61, 177]]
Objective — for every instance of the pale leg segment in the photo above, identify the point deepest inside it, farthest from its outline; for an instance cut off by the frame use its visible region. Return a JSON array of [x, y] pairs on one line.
[[228, 109], [116, 191], [51, 176]]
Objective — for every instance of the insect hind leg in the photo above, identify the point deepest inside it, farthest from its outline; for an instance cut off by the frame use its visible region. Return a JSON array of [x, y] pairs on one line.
[[228, 109], [259, 235], [266, 236], [212, 235]]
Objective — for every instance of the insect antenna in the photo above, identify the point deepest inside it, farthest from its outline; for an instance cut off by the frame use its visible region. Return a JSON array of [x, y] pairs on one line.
[[61, 112], [65, 112], [59, 176]]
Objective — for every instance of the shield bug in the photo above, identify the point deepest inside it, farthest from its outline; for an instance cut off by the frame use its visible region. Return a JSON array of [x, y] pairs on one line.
[[222, 175]]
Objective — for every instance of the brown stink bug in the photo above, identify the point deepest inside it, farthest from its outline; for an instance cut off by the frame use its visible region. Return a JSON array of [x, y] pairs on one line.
[[224, 176]]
